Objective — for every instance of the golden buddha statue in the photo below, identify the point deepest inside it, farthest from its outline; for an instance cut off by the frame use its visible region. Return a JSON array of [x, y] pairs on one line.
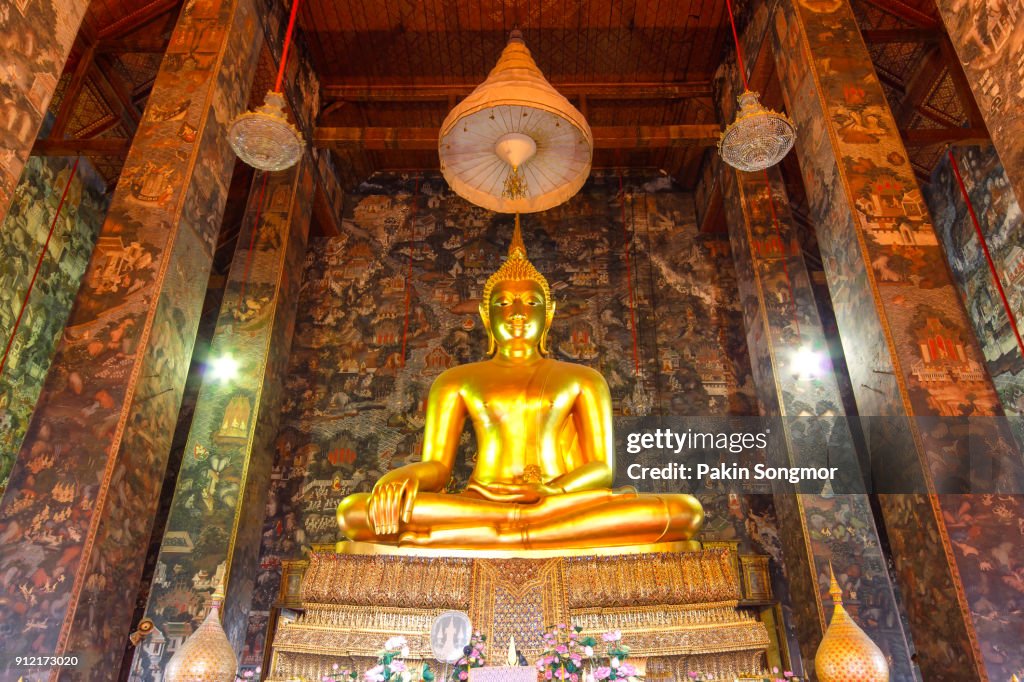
[[545, 456]]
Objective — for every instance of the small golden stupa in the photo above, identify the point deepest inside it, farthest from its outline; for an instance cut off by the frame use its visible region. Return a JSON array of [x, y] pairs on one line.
[[846, 653]]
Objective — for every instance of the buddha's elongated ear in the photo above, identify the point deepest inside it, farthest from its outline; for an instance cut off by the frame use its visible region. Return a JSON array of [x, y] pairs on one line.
[[492, 345], [543, 347]]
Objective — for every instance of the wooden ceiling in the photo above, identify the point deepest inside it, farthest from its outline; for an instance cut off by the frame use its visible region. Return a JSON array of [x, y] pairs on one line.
[[390, 70], [403, 64]]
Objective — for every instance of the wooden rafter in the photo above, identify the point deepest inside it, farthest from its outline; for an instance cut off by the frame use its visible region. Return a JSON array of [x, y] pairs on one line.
[[605, 137], [901, 10], [138, 45], [901, 35], [920, 86], [960, 84], [950, 136], [410, 92], [118, 98], [101, 146], [140, 17], [74, 88]]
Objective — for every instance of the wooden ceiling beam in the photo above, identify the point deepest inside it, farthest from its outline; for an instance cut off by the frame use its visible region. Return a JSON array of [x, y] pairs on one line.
[[951, 136], [139, 17], [74, 88], [139, 45], [903, 11], [100, 146], [118, 99], [412, 92], [960, 84], [920, 85], [901, 35], [605, 137]]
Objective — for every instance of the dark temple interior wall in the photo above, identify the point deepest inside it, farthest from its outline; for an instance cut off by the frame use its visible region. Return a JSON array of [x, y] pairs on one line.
[[354, 410]]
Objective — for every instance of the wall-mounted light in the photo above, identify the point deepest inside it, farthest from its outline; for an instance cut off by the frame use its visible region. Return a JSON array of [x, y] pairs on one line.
[[223, 368], [808, 363]]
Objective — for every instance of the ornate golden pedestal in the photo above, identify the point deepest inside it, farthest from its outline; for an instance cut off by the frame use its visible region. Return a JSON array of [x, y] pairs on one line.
[[675, 605]]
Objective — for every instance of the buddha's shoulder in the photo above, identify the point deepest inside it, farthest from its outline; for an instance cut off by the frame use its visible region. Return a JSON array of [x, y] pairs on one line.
[[578, 372], [458, 374]]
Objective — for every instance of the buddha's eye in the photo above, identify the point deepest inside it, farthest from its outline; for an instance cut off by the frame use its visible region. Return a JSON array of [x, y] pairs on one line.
[[532, 301]]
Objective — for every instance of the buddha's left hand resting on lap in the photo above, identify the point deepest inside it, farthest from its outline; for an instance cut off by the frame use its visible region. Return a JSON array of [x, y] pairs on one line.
[[545, 455]]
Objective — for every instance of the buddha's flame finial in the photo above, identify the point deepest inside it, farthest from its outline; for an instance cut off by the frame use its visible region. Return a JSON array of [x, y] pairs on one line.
[[517, 249]]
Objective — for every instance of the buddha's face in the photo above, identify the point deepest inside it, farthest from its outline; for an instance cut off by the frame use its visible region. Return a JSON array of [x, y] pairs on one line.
[[518, 314]]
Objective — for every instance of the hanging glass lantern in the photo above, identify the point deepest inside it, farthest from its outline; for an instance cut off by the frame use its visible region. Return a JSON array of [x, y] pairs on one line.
[[264, 138], [759, 138]]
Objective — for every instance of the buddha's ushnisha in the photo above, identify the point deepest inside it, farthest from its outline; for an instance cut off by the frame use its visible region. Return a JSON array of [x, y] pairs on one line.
[[545, 457]]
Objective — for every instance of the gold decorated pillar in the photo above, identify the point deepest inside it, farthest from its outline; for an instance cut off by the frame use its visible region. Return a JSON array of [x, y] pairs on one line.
[[988, 40], [796, 384], [221, 491], [76, 518], [915, 365], [35, 39]]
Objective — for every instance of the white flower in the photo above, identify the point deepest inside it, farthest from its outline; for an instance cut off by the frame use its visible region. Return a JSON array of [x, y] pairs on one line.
[[396, 642], [588, 651], [615, 662], [404, 652]]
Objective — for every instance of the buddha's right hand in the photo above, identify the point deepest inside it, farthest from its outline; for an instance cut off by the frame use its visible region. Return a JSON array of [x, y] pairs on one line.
[[391, 501]]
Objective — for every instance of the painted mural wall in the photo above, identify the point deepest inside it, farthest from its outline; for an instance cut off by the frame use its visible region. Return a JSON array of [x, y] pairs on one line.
[[35, 39], [22, 236], [354, 409], [76, 519], [999, 217]]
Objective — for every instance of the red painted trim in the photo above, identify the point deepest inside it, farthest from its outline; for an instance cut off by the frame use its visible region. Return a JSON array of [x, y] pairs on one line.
[[39, 264], [629, 279], [408, 274], [984, 247], [287, 44]]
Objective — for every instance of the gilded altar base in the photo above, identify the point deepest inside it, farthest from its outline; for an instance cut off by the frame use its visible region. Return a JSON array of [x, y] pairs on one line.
[[677, 610]]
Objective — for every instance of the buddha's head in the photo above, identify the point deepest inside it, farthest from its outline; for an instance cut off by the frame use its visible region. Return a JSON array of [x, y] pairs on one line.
[[516, 306]]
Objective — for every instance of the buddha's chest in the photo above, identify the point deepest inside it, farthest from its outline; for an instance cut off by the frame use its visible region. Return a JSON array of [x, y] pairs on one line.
[[520, 404]]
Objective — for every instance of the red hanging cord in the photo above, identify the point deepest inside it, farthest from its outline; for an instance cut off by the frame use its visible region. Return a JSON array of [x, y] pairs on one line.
[[408, 274], [984, 247], [287, 44], [785, 254], [736, 40], [629, 278], [39, 264], [252, 242]]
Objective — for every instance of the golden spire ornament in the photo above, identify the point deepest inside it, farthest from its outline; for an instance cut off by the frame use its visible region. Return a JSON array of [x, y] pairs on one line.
[[846, 653], [207, 655]]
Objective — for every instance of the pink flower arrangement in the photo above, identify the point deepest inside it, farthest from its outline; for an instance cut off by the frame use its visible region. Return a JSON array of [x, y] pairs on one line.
[[473, 656], [617, 668], [563, 658]]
